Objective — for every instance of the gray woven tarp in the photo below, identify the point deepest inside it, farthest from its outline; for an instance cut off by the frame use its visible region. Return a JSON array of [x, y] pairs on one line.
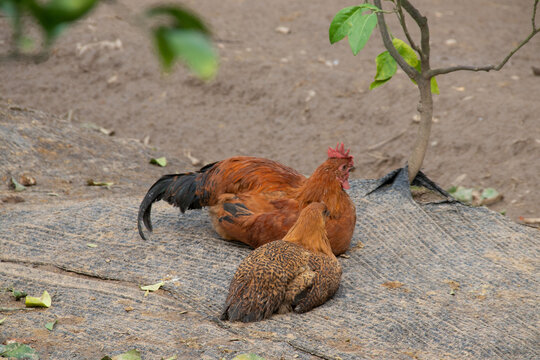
[[423, 280], [426, 281]]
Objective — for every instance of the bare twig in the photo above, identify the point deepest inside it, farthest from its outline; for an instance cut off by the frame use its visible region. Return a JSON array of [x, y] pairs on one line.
[[534, 31], [384, 142], [401, 18], [424, 31]]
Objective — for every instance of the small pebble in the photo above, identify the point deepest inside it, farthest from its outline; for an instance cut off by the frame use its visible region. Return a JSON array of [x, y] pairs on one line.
[[283, 30]]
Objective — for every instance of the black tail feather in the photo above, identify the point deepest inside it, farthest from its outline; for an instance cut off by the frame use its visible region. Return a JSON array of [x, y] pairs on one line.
[[177, 189]]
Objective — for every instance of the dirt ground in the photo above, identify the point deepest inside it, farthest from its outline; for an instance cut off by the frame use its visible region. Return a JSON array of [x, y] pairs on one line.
[[289, 96]]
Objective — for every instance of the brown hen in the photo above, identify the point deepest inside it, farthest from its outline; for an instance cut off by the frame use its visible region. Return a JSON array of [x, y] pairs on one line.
[[297, 273], [256, 200]]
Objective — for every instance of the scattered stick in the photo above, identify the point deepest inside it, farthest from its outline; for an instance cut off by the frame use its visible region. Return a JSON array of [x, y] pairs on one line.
[[384, 142]]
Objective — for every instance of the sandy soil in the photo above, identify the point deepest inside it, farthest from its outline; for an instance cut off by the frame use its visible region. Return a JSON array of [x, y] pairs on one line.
[[290, 96]]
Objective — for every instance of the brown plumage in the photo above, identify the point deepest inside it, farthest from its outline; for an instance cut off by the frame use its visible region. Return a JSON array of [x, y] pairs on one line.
[[297, 273], [255, 200]]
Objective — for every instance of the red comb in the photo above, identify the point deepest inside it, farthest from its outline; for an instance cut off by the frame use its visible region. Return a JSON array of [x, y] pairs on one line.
[[339, 152]]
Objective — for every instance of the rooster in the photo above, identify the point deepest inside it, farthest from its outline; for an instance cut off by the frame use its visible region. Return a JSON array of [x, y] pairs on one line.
[[256, 200], [296, 274]]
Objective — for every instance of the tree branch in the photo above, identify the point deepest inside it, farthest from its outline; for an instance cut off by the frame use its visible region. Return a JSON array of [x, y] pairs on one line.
[[424, 31], [409, 70], [434, 72], [533, 20], [401, 18]]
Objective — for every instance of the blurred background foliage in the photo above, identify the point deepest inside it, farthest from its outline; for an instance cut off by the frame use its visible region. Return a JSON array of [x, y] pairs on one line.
[[180, 36]]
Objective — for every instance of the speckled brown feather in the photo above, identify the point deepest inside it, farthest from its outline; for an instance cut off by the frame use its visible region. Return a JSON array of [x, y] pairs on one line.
[[255, 200], [284, 275]]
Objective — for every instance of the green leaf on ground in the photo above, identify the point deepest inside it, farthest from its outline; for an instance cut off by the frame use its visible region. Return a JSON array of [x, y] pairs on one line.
[[19, 294], [50, 325], [18, 187], [90, 245], [462, 194], [43, 301], [130, 355], [489, 193], [153, 287], [248, 356], [18, 351], [162, 161], [2, 320], [362, 27]]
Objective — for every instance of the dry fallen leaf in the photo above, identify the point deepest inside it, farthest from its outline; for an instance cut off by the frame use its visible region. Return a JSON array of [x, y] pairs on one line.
[[13, 199], [392, 284], [27, 180]]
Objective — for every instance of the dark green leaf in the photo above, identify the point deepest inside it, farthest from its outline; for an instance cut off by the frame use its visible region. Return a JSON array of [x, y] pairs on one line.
[[190, 46], [386, 66], [184, 19], [55, 15], [362, 27], [18, 351], [341, 24]]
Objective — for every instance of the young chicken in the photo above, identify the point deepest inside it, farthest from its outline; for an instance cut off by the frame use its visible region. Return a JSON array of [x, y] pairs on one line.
[[297, 273], [255, 200]]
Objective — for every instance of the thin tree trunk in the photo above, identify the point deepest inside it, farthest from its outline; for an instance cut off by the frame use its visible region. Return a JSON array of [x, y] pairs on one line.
[[425, 108]]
